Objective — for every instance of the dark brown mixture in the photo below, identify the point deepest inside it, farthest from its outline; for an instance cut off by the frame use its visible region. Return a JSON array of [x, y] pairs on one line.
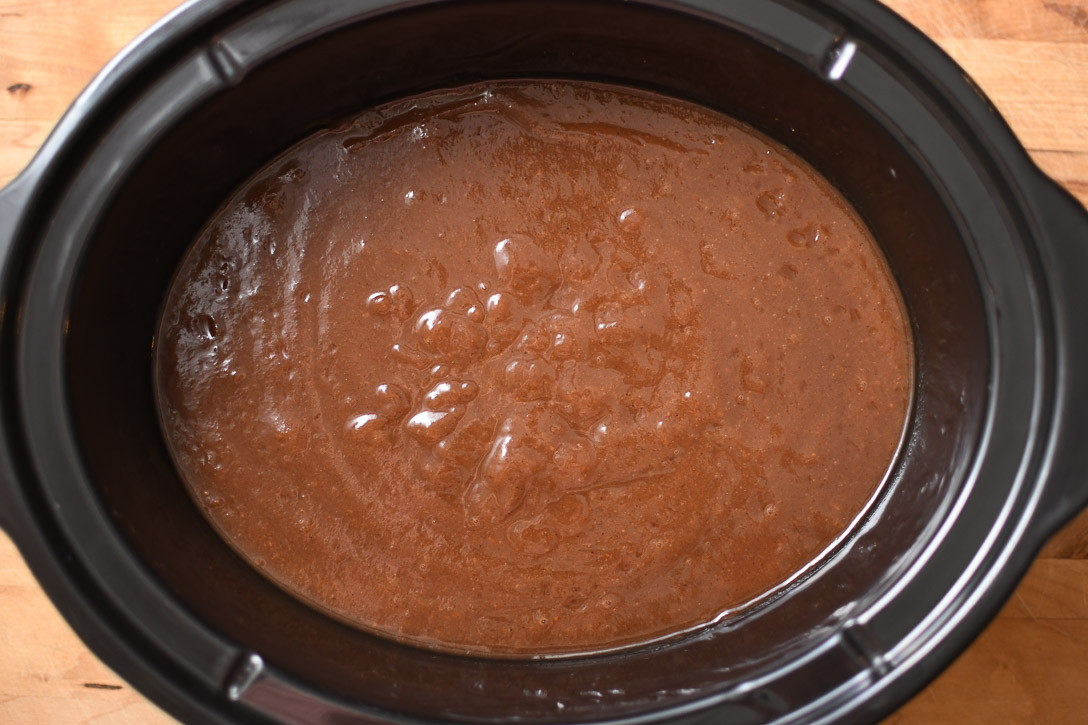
[[534, 367]]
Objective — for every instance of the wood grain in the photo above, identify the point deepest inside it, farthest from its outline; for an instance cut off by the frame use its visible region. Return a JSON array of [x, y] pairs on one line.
[[1057, 21], [1031, 59], [49, 51], [46, 674], [1029, 666], [1029, 56]]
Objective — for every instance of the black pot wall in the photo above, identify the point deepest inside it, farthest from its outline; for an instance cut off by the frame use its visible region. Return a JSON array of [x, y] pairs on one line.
[[236, 90]]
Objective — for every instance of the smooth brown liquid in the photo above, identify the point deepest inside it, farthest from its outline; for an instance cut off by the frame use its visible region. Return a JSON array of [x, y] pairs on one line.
[[534, 367]]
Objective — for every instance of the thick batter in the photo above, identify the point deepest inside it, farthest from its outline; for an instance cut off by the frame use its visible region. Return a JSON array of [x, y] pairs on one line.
[[534, 367]]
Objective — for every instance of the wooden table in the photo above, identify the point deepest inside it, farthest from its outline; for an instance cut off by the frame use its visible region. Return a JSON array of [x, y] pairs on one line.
[[1030, 56]]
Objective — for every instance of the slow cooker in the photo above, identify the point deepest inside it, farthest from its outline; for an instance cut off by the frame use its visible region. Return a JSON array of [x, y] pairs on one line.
[[989, 253]]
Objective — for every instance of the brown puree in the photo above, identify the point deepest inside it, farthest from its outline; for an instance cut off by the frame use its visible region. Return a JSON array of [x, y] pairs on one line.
[[534, 367]]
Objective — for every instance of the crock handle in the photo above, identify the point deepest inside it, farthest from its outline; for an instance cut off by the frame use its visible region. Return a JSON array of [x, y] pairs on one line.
[[1065, 247], [13, 201]]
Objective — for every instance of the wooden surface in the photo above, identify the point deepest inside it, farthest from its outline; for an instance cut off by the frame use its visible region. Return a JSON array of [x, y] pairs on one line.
[[1029, 56]]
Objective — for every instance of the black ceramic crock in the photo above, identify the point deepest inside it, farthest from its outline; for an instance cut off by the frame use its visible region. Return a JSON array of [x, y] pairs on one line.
[[991, 256]]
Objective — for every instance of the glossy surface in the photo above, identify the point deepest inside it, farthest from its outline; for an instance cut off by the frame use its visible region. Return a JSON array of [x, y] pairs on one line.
[[534, 368]]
